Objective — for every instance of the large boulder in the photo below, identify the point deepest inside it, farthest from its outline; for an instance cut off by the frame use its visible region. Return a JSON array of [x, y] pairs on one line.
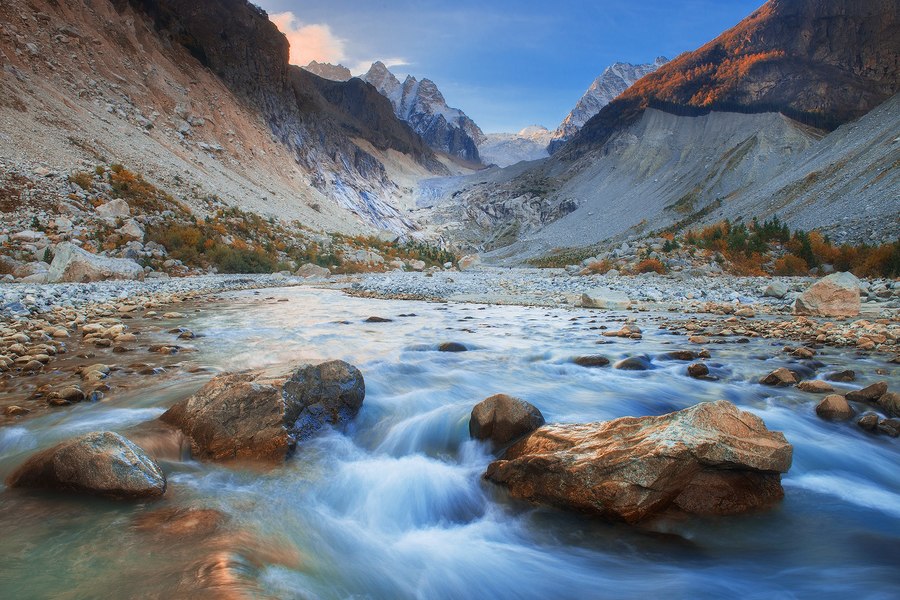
[[311, 270], [711, 458], [605, 298], [834, 296], [101, 463], [252, 415], [503, 419], [72, 264], [117, 208], [468, 262]]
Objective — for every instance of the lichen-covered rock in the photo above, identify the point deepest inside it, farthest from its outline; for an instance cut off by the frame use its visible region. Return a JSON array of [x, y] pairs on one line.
[[251, 415], [101, 463], [711, 458], [503, 419], [834, 296]]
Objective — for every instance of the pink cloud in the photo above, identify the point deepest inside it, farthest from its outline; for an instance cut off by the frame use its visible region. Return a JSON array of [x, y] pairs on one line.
[[309, 42]]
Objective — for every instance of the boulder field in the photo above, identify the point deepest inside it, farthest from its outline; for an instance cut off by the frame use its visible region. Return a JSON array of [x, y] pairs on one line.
[[709, 459]]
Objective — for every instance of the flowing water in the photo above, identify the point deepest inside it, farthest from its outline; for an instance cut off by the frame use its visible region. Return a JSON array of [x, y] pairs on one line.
[[394, 506]]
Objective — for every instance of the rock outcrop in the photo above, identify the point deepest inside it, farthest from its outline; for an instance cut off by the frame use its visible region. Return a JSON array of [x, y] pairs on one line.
[[253, 416], [72, 264], [100, 463], [503, 419], [711, 458], [836, 295]]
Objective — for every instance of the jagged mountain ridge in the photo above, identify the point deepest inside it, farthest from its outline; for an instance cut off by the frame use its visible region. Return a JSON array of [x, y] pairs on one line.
[[614, 80], [422, 105], [823, 62], [329, 71], [505, 149], [645, 162]]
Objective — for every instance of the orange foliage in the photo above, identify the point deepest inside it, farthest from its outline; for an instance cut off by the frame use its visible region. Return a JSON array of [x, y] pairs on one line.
[[650, 265], [791, 265]]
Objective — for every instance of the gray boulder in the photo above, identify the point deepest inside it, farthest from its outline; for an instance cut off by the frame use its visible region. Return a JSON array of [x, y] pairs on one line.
[[503, 419], [100, 463], [72, 264]]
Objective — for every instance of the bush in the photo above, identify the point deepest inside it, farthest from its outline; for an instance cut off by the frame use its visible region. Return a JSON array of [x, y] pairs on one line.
[[650, 265], [139, 193], [83, 180], [791, 265], [232, 260], [599, 267]]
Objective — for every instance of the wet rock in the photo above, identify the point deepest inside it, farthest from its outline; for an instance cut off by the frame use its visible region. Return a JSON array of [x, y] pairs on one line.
[[708, 459], [836, 295], [593, 360], [634, 363], [834, 408], [378, 320], [842, 376], [452, 347], [868, 421], [890, 427], [698, 371], [99, 463], [803, 352], [178, 523], [15, 411], [503, 419], [890, 402], [71, 394], [815, 386], [681, 355], [779, 377], [869, 393], [605, 298], [251, 415], [72, 264]]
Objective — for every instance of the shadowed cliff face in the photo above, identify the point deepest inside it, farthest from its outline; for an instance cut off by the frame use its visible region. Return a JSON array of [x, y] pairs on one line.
[[822, 62], [314, 117]]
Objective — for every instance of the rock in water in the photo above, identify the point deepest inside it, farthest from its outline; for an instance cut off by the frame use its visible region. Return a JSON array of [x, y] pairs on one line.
[[834, 408], [503, 419], [711, 458], [870, 393], [250, 415], [72, 264], [780, 377], [311, 270], [605, 298], [100, 463], [834, 296]]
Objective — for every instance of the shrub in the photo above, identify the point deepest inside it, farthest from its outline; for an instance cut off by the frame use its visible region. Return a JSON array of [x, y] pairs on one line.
[[599, 267], [791, 265], [139, 193], [650, 265], [82, 179]]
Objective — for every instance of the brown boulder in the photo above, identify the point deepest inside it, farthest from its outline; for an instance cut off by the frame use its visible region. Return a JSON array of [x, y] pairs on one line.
[[869, 393], [250, 415], [815, 386], [503, 419], [834, 407], [592, 360], [890, 402], [711, 458], [99, 463], [781, 377], [834, 296]]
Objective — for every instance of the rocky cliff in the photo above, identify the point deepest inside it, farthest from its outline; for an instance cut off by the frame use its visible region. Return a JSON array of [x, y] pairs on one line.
[[422, 105], [614, 80], [329, 71]]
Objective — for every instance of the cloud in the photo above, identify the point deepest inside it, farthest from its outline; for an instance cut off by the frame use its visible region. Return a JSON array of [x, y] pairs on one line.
[[309, 41]]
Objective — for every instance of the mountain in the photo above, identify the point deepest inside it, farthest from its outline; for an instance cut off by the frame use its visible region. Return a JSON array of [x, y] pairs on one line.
[[505, 149], [820, 62], [329, 71], [421, 104], [201, 99], [791, 112], [614, 80]]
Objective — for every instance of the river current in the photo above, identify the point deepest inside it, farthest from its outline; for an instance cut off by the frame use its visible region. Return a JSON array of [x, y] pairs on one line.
[[394, 506]]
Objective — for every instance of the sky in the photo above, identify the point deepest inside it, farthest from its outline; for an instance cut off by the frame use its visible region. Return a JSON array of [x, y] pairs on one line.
[[506, 63]]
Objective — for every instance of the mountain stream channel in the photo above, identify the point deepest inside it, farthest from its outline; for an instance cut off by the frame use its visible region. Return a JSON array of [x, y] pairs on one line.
[[394, 506]]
